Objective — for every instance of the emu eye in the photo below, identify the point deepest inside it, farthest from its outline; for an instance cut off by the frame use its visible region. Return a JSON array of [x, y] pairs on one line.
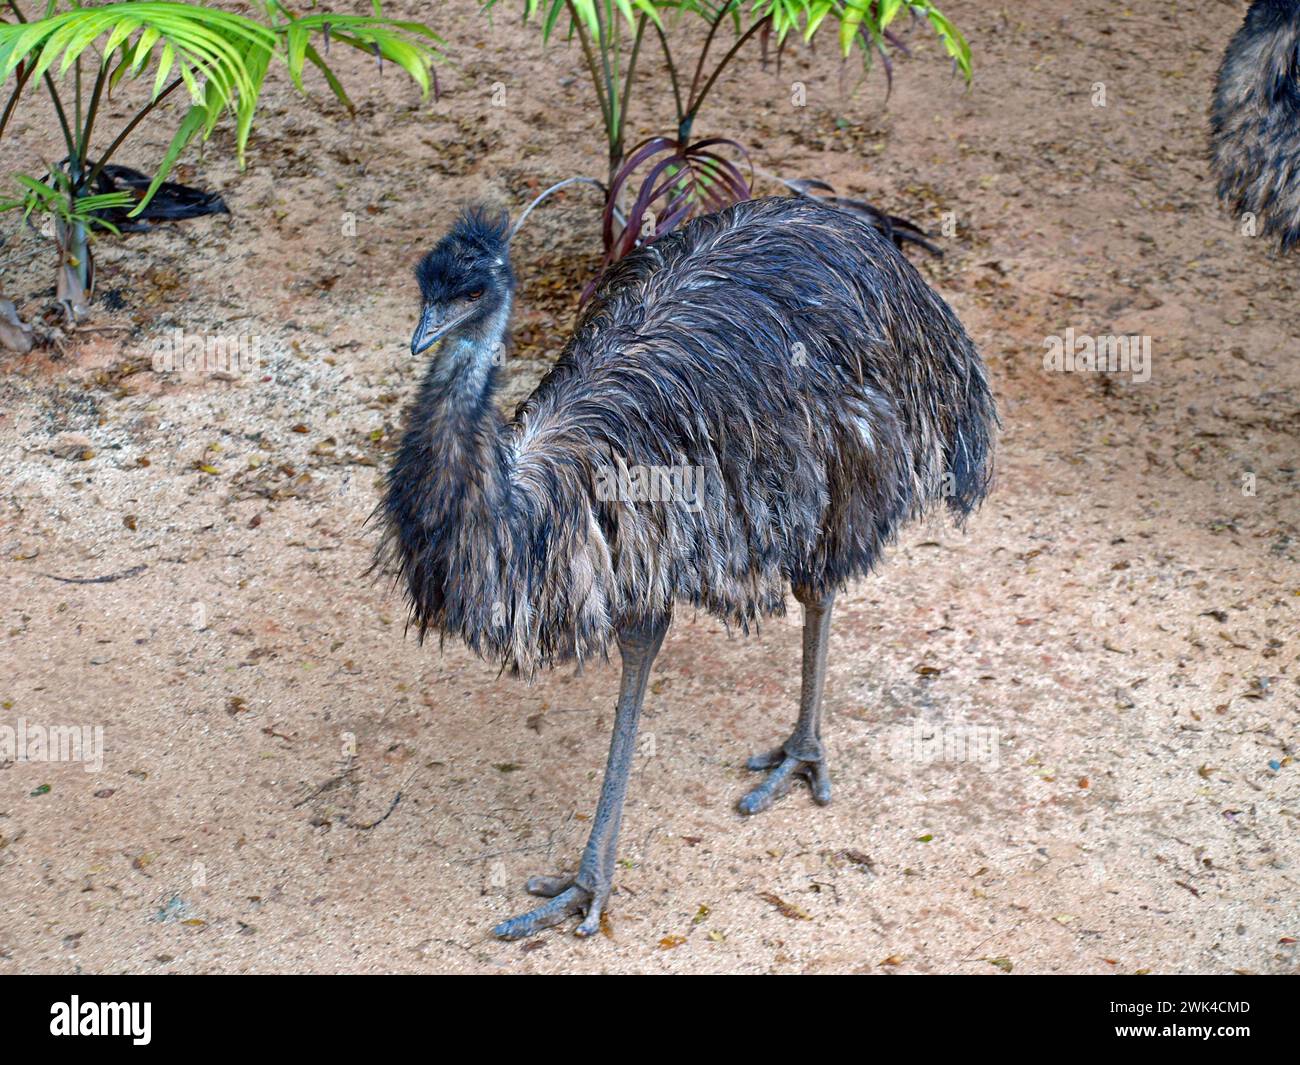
[[474, 295]]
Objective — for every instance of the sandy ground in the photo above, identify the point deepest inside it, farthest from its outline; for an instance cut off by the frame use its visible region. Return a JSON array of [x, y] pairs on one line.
[[1109, 651]]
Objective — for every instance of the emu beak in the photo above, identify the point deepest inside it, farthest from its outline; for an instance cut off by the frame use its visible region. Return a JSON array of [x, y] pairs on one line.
[[432, 328]]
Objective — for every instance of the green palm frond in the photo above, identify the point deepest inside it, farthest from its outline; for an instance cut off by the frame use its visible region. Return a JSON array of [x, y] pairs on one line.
[[221, 58], [862, 23], [201, 45], [56, 199], [412, 46], [589, 13]]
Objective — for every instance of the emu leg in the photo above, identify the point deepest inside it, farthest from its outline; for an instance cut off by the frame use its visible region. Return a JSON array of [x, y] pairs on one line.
[[802, 753], [588, 892]]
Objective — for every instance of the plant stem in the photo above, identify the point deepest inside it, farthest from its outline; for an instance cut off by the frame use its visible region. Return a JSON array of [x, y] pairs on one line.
[[91, 112], [63, 118], [608, 47], [592, 69], [126, 132], [80, 250], [74, 255], [699, 100], [672, 72], [704, 52], [76, 114], [616, 149], [24, 75]]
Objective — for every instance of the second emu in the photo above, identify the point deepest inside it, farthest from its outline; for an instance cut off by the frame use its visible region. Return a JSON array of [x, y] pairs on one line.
[[783, 352], [1255, 121]]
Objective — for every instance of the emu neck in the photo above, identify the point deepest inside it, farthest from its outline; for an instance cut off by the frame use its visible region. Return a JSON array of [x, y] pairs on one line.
[[452, 450], [468, 356]]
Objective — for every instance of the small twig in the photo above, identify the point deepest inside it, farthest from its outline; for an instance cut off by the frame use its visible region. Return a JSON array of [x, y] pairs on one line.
[[333, 782], [109, 579], [499, 854], [21, 256], [989, 940], [391, 806]]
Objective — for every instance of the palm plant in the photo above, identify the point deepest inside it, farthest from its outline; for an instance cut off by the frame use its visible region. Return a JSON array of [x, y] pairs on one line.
[[668, 178], [219, 58]]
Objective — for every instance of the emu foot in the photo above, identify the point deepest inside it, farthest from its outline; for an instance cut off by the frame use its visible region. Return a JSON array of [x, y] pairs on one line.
[[567, 898], [783, 769]]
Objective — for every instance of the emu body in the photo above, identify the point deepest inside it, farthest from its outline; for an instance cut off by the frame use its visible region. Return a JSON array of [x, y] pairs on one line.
[[1255, 121], [785, 353]]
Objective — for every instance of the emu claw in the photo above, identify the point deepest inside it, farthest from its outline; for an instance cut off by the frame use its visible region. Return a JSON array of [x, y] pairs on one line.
[[566, 898], [783, 768], [548, 886]]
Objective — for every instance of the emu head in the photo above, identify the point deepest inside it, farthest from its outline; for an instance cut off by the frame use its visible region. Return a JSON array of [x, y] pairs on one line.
[[466, 282]]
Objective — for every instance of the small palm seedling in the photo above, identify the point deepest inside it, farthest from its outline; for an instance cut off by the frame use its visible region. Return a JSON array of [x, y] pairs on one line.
[[664, 180], [72, 218], [218, 58]]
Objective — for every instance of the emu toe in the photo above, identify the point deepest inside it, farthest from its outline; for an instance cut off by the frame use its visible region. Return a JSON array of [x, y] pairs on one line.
[[783, 769], [566, 898]]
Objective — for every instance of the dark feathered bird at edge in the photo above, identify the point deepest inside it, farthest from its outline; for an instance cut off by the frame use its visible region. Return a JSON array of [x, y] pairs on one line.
[[1255, 121], [780, 366]]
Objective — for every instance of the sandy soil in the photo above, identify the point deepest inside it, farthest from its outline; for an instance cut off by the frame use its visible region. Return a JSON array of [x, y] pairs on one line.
[[1120, 619]]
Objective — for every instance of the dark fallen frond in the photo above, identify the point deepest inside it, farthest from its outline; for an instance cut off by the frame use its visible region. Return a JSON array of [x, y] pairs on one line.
[[172, 202]]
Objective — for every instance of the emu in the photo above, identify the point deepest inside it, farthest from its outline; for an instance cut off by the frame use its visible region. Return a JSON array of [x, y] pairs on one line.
[[1255, 121], [783, 349]]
